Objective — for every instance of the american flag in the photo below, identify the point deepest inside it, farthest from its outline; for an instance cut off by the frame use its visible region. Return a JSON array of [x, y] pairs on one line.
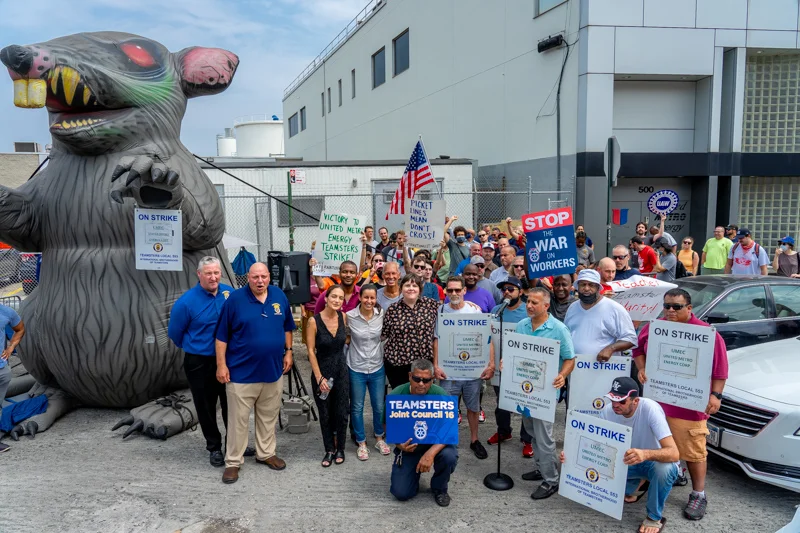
[[417, 175]]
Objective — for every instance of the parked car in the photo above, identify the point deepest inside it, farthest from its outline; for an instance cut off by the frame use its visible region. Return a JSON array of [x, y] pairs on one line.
[[747, 310], [758, 424], [9, 264], [30, 263]]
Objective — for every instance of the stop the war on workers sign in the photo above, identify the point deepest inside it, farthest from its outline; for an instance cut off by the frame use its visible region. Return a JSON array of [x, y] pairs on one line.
[[550, 245], [338, 240]]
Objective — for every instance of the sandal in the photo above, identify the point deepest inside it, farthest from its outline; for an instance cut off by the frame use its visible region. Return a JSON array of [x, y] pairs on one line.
[[647, 523], [327, 460], [363, 452], [382, 447], [640, 492], [338, 458]]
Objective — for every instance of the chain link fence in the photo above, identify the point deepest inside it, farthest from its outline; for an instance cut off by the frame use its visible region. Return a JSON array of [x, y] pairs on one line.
[[19, 272]]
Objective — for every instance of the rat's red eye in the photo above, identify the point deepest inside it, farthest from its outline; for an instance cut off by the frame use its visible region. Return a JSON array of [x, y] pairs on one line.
[[138, 55]]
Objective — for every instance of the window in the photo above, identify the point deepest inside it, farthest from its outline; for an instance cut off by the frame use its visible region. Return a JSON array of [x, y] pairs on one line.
[[546, 5], [400, 51], [429, 192], [293, 125], [379, 68], [220, 190], [329, 99], [340, 93], [787, 300], [353, 83], [323, 103], [302, 119], [748, 303], [313, 205]]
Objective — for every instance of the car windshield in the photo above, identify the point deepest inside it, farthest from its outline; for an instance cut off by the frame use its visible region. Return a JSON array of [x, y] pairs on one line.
[[702, 294]]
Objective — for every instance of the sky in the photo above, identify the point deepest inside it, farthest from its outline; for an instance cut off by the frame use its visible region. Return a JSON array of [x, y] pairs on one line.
[[274, 39]]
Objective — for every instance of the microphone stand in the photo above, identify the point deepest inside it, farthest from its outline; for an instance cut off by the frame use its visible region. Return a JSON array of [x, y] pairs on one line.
[[498, 480]]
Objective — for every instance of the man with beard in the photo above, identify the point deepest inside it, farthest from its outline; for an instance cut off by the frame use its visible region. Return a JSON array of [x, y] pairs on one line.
[[598, 325], [383, 233], [488, 256], [483, 282], [562, 296], [477, 295], [507, 255], [641, 232], [348, 272], [621, 257]]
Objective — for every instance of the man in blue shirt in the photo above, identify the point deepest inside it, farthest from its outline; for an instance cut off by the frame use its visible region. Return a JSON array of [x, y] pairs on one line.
[[541, 324], [191, 327], [254, 350], [8, 317]]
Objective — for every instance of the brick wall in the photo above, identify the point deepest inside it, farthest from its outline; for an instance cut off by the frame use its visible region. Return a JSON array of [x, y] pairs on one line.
[[15, 169]]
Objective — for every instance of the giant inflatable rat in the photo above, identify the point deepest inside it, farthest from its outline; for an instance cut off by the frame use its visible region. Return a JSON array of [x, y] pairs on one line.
[[96, 326]]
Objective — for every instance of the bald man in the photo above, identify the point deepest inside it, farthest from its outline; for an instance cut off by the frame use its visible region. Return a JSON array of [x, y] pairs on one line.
[[254, 350], [607, 269]]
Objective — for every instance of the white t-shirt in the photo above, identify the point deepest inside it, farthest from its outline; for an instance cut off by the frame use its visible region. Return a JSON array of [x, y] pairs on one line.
[[745, 261], [468, 308], [648, 424], [605, 323]]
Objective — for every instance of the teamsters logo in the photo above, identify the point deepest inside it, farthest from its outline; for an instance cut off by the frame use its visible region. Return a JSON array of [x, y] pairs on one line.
[[420, 429], [598, 403], [533, 255], [464, 356], [592, 475], [276, 308], [663, 202], [527, 387], [226, 294], [158, 247]]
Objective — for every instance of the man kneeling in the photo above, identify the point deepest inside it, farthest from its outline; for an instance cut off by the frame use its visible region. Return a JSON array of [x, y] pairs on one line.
[[653, 456], [411, 460]]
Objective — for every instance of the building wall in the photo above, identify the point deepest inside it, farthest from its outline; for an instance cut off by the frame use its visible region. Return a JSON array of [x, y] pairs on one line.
[[15, 169]]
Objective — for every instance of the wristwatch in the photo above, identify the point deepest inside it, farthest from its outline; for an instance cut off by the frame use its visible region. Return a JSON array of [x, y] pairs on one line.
[[717, 395], [289, 349]]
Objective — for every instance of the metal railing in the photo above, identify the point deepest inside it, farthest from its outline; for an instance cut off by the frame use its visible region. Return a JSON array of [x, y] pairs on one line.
[[371, 7], [255, 118]]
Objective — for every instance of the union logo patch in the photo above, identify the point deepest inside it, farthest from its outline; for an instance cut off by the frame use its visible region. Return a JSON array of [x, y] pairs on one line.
[[277, 309]]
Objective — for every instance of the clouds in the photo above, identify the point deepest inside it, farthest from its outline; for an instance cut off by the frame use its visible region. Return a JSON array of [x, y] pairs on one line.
[[274, 39]]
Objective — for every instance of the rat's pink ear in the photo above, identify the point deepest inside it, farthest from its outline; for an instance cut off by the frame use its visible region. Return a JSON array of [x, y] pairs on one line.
[[206, 70]]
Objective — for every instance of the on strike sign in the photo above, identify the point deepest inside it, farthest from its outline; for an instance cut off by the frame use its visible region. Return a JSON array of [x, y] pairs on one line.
[[550, 246]]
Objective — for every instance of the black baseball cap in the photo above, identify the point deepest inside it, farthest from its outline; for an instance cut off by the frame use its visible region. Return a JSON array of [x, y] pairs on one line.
[[512, 280], [743, 232], [731, 227], [622, 388]]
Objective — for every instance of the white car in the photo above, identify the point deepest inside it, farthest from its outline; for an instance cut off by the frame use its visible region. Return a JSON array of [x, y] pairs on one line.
[[758, 424]]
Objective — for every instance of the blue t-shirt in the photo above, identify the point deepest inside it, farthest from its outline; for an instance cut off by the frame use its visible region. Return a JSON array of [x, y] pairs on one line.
[[625, 274], [255, 334], [429, 290], [512, 315], [8, 317], [480, 297], [462, 265], [194, 317], [551, 329]]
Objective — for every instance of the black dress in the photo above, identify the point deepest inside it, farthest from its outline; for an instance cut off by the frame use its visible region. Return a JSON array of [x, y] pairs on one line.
[[334, 410]]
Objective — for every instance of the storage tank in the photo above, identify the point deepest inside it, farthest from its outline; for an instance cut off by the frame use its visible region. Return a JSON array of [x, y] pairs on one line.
[[259, 136], [226, 144]]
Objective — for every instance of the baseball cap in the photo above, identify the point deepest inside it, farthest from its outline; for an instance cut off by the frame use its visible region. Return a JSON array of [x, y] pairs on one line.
[[512, 280], [588, 274], [623, 388], [662, 242], [787, 240], [477, 260], [743, 232], [488, 244], [731, 226]]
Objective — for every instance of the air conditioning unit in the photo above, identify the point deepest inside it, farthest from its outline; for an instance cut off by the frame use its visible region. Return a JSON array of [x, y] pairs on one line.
[[27, 148]]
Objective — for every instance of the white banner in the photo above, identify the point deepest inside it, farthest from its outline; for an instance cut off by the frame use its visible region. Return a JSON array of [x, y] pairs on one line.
[[530, 366], [424, 223], [591, 380], [642, 297], [464, 342], [508, 327], [158, 234], [338, 240], [680, 358], [595, 473]]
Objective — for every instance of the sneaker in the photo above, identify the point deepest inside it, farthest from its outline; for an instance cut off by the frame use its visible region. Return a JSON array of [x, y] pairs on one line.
[[459, 418], [545, 490], [532, 476], [527, 450], [442, 499], [478, 449], [250, 451], [680, 481], [497, 437], [216, 458], [696, 508], [382, 447], [481, 417], [4, 447]]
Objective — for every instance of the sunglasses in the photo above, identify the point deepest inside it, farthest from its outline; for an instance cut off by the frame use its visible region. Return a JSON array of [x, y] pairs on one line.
[[687, 242], [674, 307], [418, 379], [452, 291], [481, 235], [619, 257], [621, 402], [509, 289], [419, 266], [519, 266]]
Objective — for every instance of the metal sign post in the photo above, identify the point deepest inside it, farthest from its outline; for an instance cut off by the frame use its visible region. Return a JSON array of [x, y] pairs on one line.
[[291, 225], [611, 160]]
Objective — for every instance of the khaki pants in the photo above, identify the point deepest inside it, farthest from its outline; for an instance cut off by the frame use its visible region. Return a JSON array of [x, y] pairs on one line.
[[242, 398]]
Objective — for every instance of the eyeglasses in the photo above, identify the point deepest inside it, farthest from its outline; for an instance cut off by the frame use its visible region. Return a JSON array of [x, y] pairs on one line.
[[619, 257], [452, 291], [674, 307], [418, 379], [509, 288]]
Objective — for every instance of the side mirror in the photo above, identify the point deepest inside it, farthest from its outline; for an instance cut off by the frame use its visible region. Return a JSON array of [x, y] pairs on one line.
[[717, 318]]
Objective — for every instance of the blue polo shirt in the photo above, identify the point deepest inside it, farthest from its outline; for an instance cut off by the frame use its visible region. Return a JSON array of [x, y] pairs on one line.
[[8, 317], [512, 315], [255, 334], [194, 317], [551, 329]]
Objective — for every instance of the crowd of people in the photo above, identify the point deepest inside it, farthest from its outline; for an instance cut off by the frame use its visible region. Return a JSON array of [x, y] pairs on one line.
[[372, 328]]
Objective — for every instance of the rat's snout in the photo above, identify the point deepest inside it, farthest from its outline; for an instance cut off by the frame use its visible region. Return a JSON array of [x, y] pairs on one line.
[[18, 59]]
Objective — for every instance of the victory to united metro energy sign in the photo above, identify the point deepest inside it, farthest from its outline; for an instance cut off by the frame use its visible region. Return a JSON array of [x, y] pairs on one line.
[[550, 246]]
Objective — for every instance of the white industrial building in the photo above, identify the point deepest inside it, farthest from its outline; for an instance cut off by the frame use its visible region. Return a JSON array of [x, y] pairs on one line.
[[701, 94]]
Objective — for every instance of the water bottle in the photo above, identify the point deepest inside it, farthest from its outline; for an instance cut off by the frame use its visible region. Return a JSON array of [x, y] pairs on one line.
[[324, 395]]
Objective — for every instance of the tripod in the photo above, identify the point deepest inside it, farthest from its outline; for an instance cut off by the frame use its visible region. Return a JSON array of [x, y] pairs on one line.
[[498, 480], [296, 380]]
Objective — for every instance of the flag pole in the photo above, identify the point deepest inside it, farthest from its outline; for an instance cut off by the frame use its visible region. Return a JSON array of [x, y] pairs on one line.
[[436, 183]]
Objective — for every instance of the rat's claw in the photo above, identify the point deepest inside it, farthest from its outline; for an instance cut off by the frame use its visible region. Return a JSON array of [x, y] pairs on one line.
[[172, 178], [31, 428], [137, 426], [161, 432], [17, 431], [127, 421], [133, 175]]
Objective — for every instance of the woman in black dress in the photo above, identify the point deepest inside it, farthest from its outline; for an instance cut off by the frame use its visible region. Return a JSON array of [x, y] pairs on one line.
[[326, 339]]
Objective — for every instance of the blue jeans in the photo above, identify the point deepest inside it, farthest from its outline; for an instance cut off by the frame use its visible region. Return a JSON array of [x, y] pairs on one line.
[[405, 478], [359, 383], [661, 476]]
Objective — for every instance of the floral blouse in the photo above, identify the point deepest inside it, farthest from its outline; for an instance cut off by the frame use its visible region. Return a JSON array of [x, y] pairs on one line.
[[409, 331]]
